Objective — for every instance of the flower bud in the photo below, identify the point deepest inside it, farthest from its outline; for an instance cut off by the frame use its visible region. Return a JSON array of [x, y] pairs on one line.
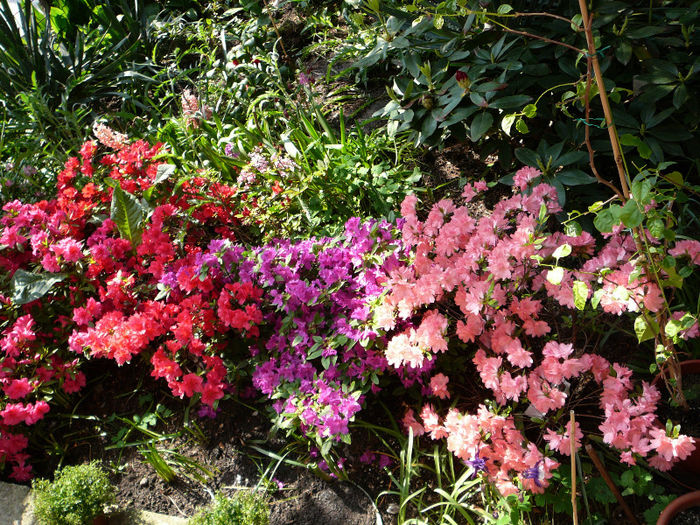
[[463, 80]]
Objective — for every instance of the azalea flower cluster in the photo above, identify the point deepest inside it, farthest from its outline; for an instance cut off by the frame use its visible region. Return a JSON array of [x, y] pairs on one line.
[[173, 296], [320, 356], [499, 272], [91, 293]]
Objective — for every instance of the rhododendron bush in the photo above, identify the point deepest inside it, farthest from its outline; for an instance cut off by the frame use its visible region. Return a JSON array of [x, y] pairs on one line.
[[495, 283]]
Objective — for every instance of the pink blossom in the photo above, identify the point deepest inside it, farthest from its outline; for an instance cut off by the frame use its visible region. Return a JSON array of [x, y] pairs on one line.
[[18, 388], [438, 386], [409, 422], [524, 175]]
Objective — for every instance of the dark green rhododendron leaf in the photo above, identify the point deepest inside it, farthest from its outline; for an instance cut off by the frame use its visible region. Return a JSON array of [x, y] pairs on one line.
[[28, 287], [526, 156], [574, 178], [127, 214], [480, 125]]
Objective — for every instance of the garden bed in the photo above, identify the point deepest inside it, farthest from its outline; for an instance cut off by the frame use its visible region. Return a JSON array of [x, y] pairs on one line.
[[367, 260]]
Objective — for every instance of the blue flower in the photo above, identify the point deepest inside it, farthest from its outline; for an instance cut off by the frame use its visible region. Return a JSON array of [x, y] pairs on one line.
[[478, 463], [535, 473]]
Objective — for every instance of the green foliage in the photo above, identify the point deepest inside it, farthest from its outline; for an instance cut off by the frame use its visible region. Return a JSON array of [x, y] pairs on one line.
[[58, 71], [76, 496], [28, 287], [245, 508], [451, 494], [127, 213], [511, 82]]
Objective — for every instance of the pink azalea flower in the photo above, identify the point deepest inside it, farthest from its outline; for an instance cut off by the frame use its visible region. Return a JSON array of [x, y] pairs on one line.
[[438, 386]]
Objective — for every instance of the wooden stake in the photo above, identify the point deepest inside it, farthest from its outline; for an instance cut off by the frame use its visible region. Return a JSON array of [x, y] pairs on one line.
[[572, 441]]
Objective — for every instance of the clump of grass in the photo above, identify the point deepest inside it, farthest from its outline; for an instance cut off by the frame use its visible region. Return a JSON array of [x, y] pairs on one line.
[[245, 508], [75, 497]]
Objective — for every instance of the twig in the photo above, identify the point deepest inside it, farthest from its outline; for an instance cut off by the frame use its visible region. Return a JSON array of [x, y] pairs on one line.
[[548, 15], [671, 365], [609, 482], [572, 442], [279, 38], [587, 131], [537, 37], [593, 57], [519, 14]]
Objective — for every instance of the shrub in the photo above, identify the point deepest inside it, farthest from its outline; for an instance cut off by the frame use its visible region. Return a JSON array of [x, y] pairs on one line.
[[76, 496], [499, 277], [245, 508], [466, 70]]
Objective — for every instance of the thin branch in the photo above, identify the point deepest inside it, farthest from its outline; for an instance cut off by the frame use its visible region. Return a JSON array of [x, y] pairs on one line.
[[591, 153], [537, 37], [549, 15]]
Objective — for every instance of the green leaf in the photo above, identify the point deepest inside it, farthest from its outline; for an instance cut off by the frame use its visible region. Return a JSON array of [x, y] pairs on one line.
[[530, 110], [645, 32], [672, 328], [28, 287], [562, 251], [580, 294], [630, 215], [521, 126], [605, 221], [675, 177], [555, 275], [627, 478], [623, 52], [595, 206], [572, 229], [507, 123], [680, 96], [643, 330], [656, 228], [526, 156], [480, 125], [163, 172], [597, 296], [574, 178], [641, 191], [509, 102], [127, 214]]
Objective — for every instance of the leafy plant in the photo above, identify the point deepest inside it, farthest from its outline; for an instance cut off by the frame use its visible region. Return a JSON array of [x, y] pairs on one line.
[[44, 69], [76, 496], [244, 508], [472, 70], [431, 487]]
